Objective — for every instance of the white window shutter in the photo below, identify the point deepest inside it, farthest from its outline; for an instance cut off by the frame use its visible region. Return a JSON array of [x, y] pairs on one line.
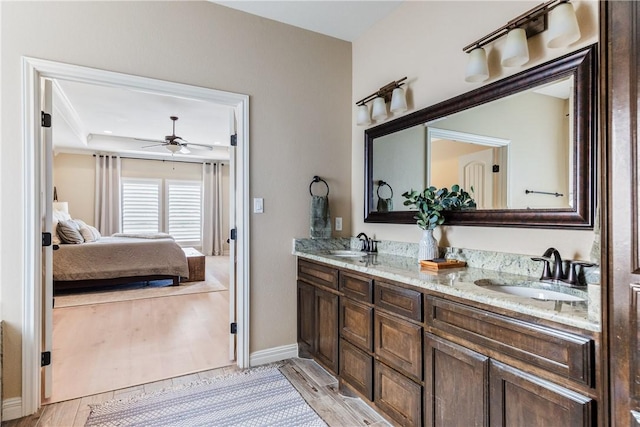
[[140, 206], [184, 211]]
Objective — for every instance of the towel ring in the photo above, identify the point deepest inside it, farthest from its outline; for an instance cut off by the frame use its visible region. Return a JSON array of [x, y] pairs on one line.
[[318, 179], [381, 184]]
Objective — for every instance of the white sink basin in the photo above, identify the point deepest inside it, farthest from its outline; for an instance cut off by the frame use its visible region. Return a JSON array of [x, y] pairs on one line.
[[348, 254], [539, 294]]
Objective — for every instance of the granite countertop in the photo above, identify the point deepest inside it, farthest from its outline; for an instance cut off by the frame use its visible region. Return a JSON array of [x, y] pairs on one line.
[[460, 282]]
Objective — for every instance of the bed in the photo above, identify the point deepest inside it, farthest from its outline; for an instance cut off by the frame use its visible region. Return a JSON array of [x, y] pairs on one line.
[[118, 259]]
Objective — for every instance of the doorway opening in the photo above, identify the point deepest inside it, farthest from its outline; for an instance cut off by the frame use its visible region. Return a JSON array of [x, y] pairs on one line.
[[37, 302]]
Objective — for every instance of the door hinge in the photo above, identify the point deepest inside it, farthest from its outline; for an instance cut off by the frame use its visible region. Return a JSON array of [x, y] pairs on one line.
[[45, 358], [234, 328], [234, 234], [45, 119], [496, 168], [234, 140], [46, 239]]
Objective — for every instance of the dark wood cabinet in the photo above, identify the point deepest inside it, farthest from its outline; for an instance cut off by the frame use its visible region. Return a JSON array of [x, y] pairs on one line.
[[306, 319], [422, 359], [520, 399], [318, 300], [326, 322], [456, 385], [397, 396]]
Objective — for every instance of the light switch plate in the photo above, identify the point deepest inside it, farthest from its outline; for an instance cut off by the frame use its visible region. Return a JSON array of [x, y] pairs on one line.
[[338, 223], [258, 205]]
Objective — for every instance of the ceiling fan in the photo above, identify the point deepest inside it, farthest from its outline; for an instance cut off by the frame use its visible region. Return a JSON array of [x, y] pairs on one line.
[[174, 143]]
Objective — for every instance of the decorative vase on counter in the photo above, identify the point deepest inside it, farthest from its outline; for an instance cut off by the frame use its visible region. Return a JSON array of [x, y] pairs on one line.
[[428, 248]]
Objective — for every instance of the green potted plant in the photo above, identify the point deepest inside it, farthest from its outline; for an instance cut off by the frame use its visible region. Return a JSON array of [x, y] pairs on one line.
[[431, 204]]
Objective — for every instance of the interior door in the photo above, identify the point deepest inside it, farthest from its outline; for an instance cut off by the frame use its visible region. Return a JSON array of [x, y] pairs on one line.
[[46, 202], [474, 171], [620, 190], [233, 221]]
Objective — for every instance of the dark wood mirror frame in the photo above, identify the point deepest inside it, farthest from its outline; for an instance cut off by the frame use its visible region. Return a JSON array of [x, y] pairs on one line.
[[582, 66]]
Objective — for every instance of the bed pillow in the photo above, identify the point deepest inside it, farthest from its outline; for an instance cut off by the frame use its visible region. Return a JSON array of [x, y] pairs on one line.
[[89, 233], [57, 217], [69, 232]]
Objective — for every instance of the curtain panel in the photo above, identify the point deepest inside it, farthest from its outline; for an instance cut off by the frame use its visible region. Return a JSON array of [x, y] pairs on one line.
[[212, 238], [108, 200]]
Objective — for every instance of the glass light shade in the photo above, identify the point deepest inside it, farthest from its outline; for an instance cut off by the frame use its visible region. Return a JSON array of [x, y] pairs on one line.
[[363, 117], [398, 101], [516, 50], [173, 148], [477, 68], [563, 26], [379, 110]]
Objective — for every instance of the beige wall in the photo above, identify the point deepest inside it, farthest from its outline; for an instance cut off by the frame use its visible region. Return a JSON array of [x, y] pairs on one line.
[[74, 176], [424, 41], [299, 85]]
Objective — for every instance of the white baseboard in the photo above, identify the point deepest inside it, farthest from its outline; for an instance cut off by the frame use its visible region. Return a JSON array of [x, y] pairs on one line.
[[11, 409], [271, 355]]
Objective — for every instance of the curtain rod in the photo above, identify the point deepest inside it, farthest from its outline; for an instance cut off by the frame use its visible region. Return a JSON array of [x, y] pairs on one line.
[[222, 162]]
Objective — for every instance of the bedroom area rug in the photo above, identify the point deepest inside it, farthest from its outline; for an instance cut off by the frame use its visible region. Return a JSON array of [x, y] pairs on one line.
[[256, 397], [216, 280]]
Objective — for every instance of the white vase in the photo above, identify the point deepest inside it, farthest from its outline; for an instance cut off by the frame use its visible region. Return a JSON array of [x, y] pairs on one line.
[[428, 248]]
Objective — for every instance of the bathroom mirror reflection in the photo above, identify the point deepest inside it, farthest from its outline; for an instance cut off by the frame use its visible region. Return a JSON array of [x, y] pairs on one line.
[[495, 149], [525, 144]]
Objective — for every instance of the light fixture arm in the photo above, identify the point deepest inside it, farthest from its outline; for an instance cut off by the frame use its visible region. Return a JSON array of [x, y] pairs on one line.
[[384, 92], [529, 21]]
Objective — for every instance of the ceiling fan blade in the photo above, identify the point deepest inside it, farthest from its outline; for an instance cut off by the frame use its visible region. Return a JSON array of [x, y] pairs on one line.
[[150, 140], [154, 145], [200, 146]]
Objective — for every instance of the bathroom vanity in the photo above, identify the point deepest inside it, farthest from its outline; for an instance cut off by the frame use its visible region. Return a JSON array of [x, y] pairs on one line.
[[430, 348]]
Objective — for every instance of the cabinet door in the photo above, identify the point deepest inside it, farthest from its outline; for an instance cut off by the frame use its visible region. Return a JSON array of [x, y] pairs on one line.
[[455, 384], [356, 323], [398, 343], [326, 322], [397, 396], [522, 399], [356, 369], [306, 319]]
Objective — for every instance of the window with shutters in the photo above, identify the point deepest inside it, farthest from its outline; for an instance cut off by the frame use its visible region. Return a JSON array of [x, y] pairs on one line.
[[184, 211], [141, 205], [148, 206]]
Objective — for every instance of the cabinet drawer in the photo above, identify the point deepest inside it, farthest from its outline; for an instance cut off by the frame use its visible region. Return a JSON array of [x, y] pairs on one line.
[[562, 353], [356, 323], [405, 302], [398, 343], [356, 287], [397, 396], [356, 369], [318, 274]]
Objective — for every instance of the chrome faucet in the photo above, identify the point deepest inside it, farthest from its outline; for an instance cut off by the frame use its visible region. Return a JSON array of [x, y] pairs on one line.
[[571, 277]]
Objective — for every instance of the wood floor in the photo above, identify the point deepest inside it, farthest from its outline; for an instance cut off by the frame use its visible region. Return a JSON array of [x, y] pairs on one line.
[[113, 345], [316, 386]]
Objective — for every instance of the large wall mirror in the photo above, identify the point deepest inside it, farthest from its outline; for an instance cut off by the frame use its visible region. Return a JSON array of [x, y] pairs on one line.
[[525, 144]]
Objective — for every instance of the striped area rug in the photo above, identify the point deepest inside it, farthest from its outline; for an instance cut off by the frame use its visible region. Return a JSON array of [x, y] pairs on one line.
[[256, 397]]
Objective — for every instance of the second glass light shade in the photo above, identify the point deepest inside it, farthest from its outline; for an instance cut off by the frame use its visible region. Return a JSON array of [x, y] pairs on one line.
[[398, 101], [516, 50], [379, 110], [477, 68]]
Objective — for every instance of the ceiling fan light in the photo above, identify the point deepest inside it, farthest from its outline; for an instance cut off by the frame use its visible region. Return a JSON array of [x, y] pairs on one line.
[[174, 148]]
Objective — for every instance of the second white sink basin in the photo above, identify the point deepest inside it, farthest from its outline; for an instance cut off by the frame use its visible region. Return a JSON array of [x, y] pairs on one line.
[[348, 254], [539, 294]]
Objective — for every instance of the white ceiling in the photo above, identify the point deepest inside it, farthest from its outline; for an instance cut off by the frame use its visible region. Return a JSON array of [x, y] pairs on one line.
[[83, 114], [345, 20]]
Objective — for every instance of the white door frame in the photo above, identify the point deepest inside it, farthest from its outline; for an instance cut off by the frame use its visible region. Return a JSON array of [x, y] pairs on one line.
[[32, 70]]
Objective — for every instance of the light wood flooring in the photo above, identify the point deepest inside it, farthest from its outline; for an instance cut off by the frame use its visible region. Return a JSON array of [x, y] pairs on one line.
[[117, 343], [316, 386]]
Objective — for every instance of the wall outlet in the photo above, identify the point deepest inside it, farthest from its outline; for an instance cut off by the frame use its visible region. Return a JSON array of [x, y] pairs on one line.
[[258, 205], [338, 223]]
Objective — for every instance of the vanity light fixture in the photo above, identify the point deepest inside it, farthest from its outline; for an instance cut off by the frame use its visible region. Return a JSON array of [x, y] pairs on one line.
[[563, 30], [392, 93]]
